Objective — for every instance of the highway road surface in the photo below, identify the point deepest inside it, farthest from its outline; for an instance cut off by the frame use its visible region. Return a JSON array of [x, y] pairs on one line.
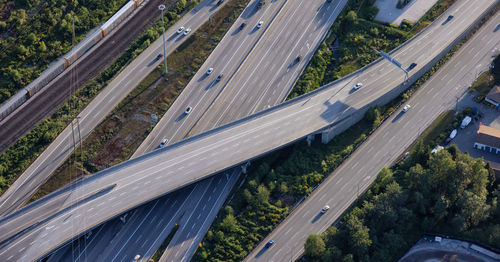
[[382, 148], [134, 182], [238, 43], [248, 50], [62, 147]]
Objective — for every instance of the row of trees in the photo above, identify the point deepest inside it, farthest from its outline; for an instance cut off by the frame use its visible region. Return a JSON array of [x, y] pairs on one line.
[[447, 192], [34, 33]]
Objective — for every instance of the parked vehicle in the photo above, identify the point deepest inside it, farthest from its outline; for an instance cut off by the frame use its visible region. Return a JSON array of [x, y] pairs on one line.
[[465, 122]]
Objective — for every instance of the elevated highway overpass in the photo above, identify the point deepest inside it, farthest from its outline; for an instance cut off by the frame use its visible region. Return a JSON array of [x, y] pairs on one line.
[[137, 181]]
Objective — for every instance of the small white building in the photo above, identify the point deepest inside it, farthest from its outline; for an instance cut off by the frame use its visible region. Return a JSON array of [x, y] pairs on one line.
[[488, 139]]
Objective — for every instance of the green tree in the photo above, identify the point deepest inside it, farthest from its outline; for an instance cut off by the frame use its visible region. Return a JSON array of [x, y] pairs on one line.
[[314, 246]]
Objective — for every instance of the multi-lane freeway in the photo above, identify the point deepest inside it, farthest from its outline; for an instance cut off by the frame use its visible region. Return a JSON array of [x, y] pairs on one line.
[[383, 147], [62, 147], [123, 187], [251, 48]]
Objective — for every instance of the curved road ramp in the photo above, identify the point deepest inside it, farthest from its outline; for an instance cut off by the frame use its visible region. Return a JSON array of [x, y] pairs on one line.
[[333, 107]]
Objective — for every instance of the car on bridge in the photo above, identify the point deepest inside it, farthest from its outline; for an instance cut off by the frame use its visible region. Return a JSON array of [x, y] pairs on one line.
[[358, 86], [323, 210], [188, 110], [406, 108], [209, 71], [180, 30], [187, 31]]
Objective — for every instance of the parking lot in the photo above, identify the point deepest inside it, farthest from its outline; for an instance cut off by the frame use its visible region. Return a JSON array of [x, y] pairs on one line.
[[465, 137]]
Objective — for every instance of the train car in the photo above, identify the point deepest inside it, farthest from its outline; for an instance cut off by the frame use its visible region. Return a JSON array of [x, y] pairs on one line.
[[13, 103], [117, 18]]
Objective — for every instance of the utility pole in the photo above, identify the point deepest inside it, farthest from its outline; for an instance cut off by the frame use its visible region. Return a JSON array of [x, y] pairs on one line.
[[162, 8]]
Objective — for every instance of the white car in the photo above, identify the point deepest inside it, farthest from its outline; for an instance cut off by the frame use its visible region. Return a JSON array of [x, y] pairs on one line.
[[209, 71], [187, 31], [259, 25], [358, 86], [163, 142], [180, 30], [406, 108], [323, 210], [188, 110]]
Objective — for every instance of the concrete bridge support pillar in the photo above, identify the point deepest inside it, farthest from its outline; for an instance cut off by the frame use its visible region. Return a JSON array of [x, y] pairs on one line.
[[309, 139]]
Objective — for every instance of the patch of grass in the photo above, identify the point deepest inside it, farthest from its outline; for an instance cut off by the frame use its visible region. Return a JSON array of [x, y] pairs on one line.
[[483, 84], [438, 127]]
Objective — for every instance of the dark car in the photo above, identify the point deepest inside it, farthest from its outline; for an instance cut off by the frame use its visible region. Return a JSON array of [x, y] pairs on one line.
[[449, 18], [219, 77], [298, 59], [261, 3], [270, 243], [219, 2], [242, 26], [413, 65]]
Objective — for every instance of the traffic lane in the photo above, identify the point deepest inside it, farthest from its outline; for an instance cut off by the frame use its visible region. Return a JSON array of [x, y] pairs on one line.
[[272, 48], [160, 220], [280, 83], [381, 149], [138, 241], [265, 45], [236, 48], [283, 110], [186, 239], [57, 153]]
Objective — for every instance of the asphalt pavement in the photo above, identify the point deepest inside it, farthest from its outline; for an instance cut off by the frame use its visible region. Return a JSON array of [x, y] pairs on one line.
[[154, 174]]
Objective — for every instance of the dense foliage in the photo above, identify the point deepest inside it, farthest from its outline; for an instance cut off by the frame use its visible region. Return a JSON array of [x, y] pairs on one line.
[[34, 33], [446, 192]]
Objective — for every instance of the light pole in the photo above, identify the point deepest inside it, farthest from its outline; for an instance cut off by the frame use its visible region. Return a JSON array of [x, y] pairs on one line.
[[162, 7]]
